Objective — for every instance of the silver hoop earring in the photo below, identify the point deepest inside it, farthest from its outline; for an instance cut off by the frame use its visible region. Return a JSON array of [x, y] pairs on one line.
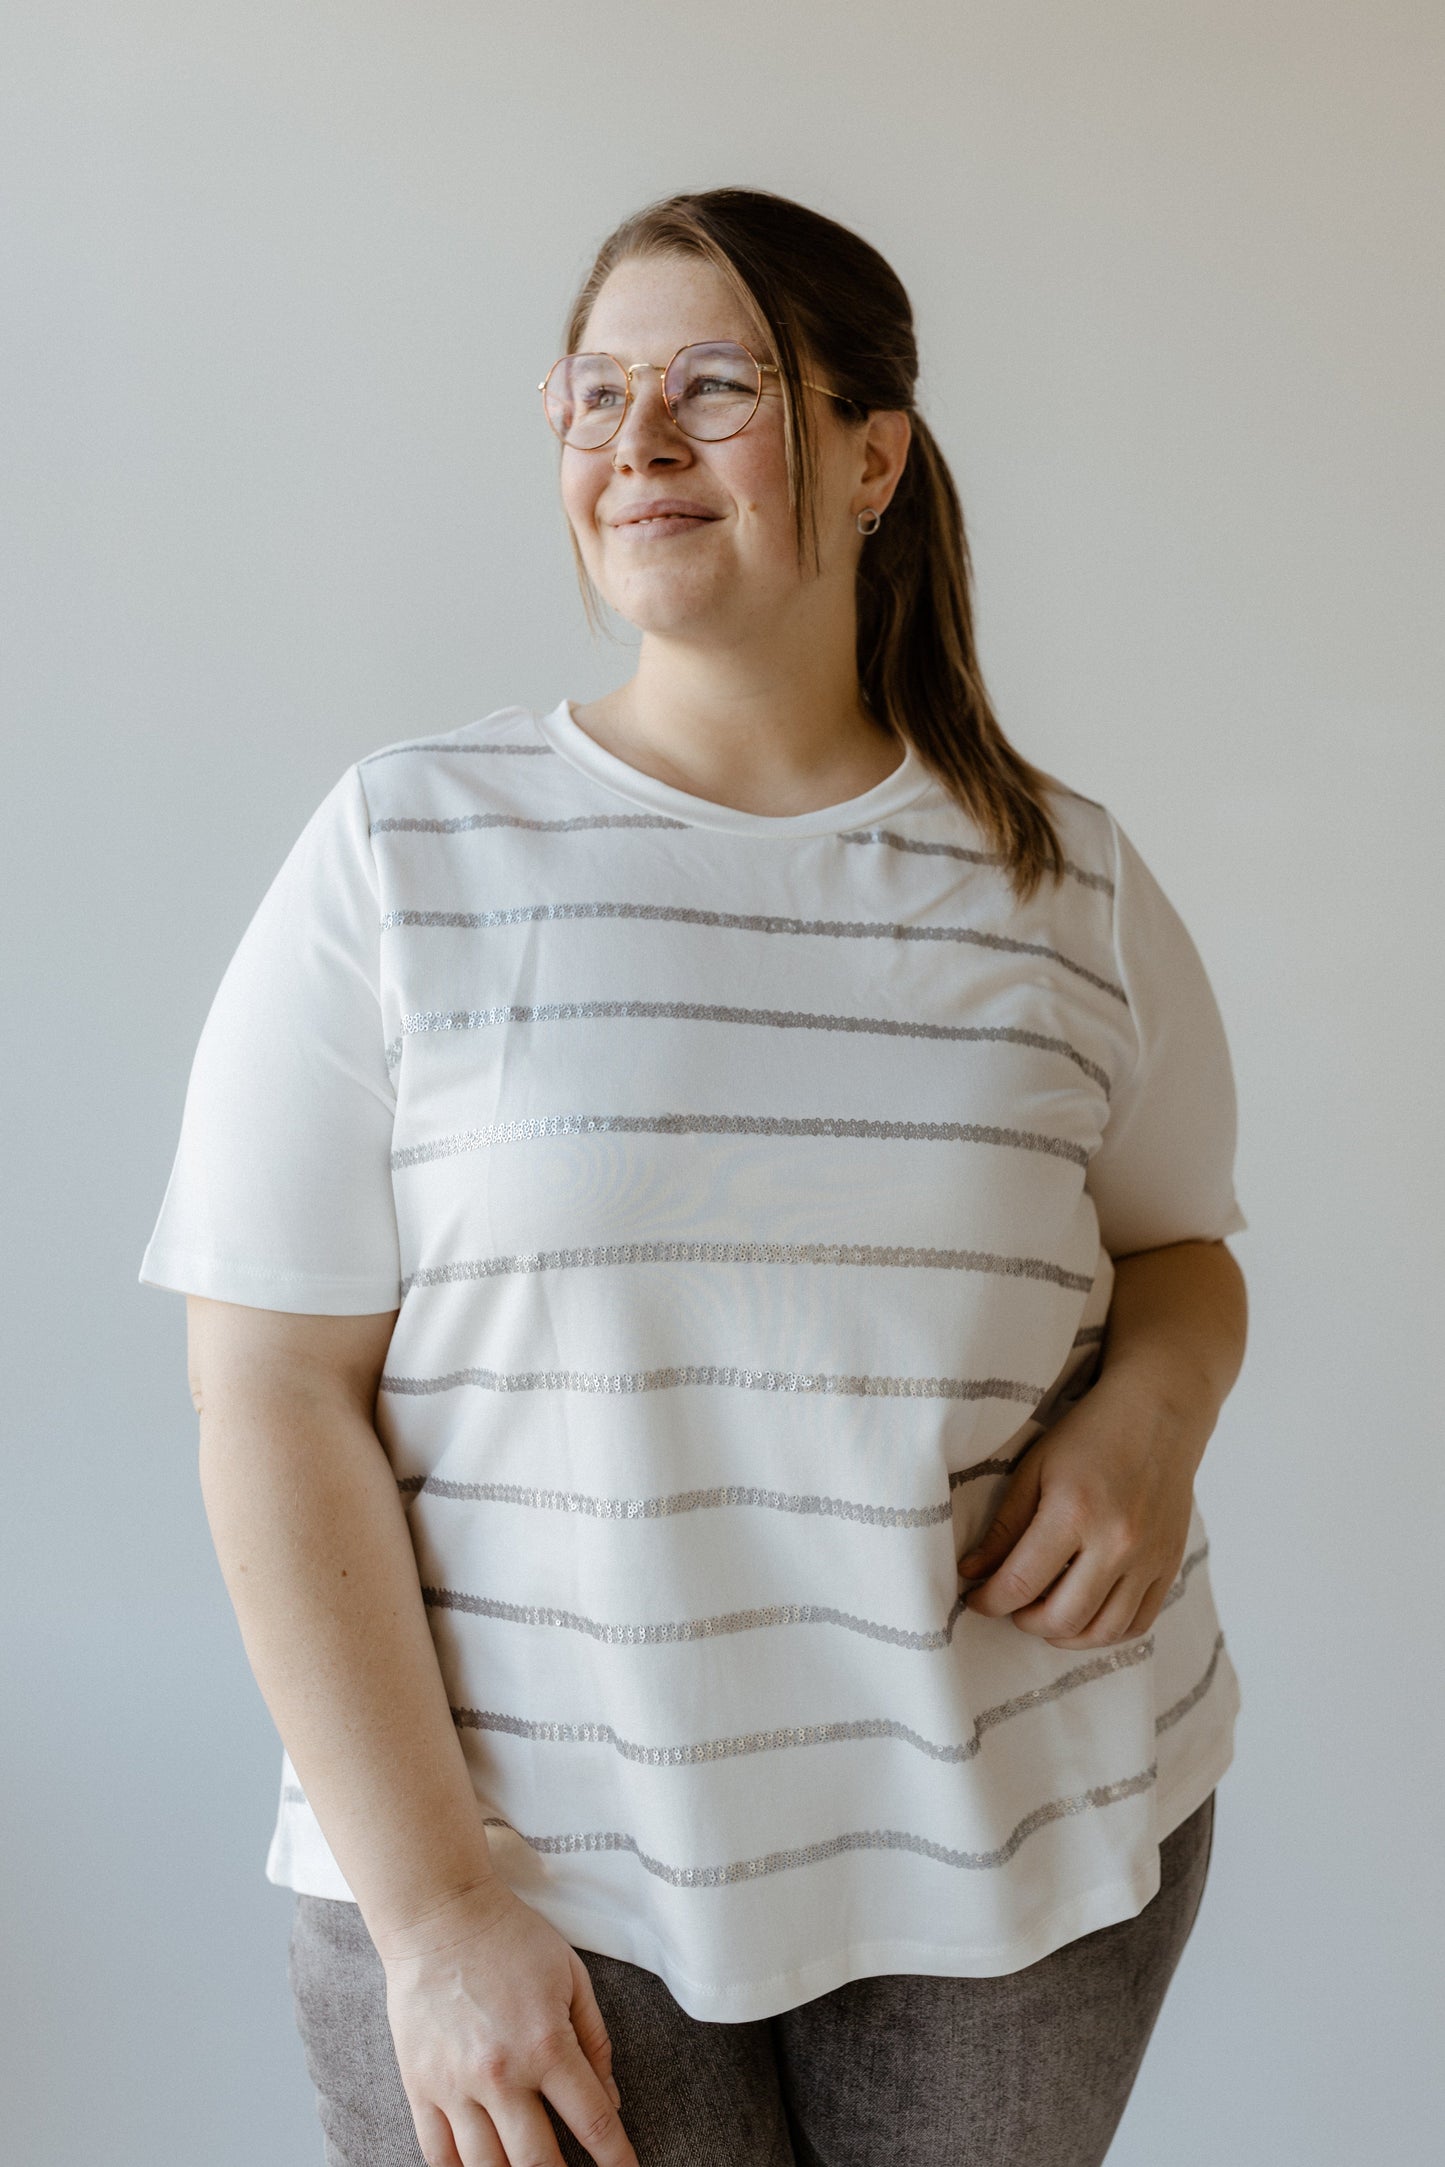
[[869, 521]]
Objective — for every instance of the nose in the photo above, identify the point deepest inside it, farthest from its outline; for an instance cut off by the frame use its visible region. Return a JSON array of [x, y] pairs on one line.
[[649, 436]]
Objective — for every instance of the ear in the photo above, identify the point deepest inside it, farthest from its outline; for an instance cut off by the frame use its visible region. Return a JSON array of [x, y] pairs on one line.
[[887, 437]]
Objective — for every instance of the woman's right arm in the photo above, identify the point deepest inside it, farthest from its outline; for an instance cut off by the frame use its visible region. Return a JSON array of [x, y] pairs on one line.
[[489, 2006]]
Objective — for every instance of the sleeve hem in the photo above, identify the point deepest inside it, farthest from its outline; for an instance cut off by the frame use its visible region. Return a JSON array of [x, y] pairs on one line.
[[1234, 1222], [299, 1293]]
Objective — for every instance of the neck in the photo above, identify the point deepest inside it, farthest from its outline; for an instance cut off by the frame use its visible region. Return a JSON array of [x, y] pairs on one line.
[[770, 723]]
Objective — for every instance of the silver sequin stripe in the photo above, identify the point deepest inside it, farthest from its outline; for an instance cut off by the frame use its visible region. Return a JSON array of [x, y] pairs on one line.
[[658, 1508], [813, 1854], [704, 1252], [836, 1733], [865, 929], [809, 1734], [1195, 1694], [389, 752], [594, 1507], [467, 823], [672, 1632], [684, 1629], [1099, 881], [708, 1373], [927, 1132], [871, 1727], [787, 1019]]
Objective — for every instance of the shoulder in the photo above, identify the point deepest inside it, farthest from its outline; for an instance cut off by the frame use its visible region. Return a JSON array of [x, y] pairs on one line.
[[1089, 835], [450, 775], [505, 728]]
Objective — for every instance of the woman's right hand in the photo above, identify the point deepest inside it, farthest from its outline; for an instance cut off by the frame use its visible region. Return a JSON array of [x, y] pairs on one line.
[[490, 2009]]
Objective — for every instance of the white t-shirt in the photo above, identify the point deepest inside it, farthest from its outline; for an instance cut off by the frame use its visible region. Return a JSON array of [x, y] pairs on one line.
[[748, 1188]]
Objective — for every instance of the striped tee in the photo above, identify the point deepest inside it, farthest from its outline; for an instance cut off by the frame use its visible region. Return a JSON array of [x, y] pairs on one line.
[[747, 1187]]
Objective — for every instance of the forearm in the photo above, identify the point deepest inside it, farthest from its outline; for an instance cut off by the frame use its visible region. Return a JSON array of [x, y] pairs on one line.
[[1176, 1334], [317, 1558]]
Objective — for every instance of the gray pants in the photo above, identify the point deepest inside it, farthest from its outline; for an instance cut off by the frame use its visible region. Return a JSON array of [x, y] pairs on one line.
[[1030, 2069]]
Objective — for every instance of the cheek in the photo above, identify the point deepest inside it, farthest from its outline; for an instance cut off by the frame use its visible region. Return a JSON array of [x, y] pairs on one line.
[[758, 483], [581, 486]]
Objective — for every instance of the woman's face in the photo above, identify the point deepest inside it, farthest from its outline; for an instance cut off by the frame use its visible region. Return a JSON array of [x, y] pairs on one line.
[[723, 560]]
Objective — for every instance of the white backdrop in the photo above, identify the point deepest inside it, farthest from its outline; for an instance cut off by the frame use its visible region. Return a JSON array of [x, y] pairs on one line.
[[279, 280]]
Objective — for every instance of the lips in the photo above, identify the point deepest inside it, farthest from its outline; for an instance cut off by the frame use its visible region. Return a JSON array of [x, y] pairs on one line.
[[662, 510]]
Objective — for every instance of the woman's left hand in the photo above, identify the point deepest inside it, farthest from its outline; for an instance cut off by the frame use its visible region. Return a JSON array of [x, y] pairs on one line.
[[1093, 1524]]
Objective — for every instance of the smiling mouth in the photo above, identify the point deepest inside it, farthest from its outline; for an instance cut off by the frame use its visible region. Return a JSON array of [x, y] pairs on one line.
[[665, 523]]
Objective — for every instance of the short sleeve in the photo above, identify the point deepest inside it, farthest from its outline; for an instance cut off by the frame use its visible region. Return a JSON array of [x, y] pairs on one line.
[[280, 1194], [1164, 1171]]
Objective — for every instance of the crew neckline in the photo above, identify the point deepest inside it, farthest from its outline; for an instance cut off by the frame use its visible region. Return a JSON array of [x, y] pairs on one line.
[[909, 780]]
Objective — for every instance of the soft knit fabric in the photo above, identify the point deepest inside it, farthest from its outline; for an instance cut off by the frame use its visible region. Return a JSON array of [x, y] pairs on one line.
[[747, 1187]]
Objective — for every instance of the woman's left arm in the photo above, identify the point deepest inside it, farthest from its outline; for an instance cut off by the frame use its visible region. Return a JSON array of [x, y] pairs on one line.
[[1092, 1527]]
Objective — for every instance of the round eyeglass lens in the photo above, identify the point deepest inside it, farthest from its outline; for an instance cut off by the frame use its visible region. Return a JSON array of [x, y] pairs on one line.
[[713, 390], [584, 397]]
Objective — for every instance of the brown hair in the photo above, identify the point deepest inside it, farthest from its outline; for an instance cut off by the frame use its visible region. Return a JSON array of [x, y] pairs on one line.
[[828, 300]]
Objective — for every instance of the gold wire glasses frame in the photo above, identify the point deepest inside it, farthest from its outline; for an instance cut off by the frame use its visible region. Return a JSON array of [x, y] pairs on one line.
[[562, 419]]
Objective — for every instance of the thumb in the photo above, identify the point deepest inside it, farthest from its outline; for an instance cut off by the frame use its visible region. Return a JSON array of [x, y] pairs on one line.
[[1015, 1510]]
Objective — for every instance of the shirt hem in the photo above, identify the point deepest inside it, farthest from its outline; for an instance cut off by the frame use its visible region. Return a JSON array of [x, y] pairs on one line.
[[603, 1933]]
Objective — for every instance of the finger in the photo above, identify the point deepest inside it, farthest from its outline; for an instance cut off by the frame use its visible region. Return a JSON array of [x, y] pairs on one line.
[[1016, 1508], [437, 2145], [1111, 1621], [477, 2140], [520, 2121], [1044, 1551], [575, 2091], [1149, 1609], [1064, 1610]]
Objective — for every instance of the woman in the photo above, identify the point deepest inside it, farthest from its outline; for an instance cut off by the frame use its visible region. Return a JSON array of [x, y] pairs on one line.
[[703, 1217]]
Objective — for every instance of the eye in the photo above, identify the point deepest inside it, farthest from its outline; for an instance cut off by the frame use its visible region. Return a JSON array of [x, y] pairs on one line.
[[727, 386]]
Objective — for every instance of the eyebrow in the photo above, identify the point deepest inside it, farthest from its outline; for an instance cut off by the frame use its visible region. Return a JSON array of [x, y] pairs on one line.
[[646, 360]]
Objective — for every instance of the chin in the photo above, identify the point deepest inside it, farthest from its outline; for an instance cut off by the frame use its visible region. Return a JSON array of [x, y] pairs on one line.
[[664, 609]]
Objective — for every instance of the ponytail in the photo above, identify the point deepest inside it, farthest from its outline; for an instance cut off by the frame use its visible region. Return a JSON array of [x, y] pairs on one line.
[[918, 665]]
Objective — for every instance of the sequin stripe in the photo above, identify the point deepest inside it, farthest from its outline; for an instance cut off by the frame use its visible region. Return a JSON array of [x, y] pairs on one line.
[[895, 841], [720, 1495], [469, 823], [784, 1019], [709, 1373], [871, 1254], [657, 1508], [674, 1631], [813, 1854], [390, 752], [1191, 1563], [809, 1734], [749, 922], [996, 1466], [732, 1493], [1196, 1692], [690, 1124], [763, 1741]]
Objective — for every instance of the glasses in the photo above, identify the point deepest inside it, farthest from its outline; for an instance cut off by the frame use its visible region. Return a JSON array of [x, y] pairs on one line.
[[711, 391]]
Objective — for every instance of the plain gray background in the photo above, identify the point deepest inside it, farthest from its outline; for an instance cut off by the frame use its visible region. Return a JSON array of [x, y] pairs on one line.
[[279, 281]]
